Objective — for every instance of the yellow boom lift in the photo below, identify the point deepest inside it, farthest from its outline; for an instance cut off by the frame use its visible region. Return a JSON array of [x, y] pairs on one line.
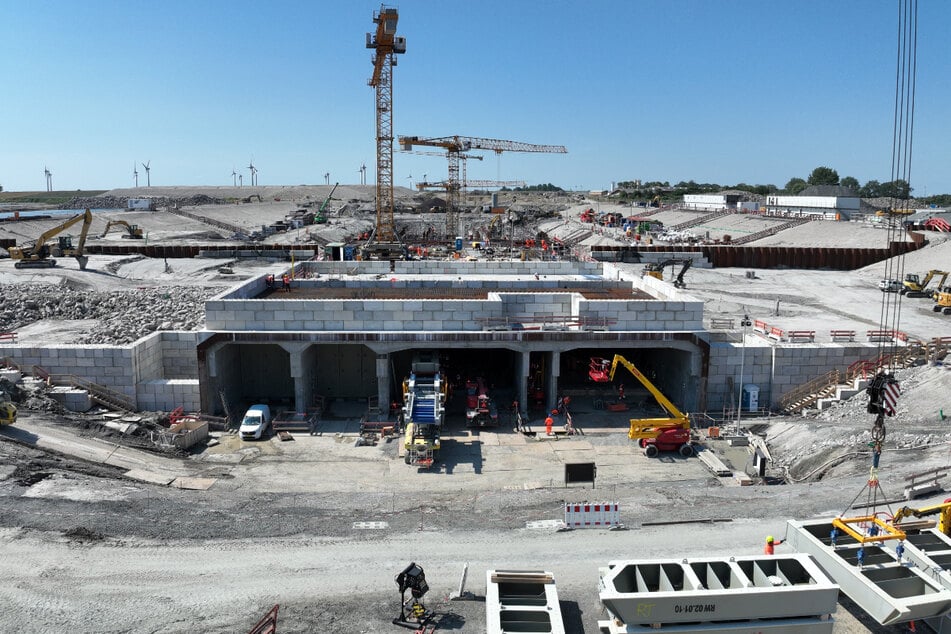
[[39, 253], [653, 434]]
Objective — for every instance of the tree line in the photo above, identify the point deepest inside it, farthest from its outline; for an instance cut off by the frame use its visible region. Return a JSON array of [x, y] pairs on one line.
[[819, 176]]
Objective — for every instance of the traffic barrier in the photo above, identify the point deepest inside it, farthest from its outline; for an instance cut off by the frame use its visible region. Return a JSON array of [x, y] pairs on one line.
[[880, 335], [592, 515], [801, 335], [842, 335], [776, 334], [760, 326], [8, 337]]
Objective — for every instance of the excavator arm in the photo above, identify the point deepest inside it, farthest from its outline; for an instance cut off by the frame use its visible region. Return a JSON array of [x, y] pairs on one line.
[[943, 509], [38, 254]]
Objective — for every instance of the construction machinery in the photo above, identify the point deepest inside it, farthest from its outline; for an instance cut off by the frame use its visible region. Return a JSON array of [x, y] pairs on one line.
[[942, 300], [455, 146], [384, 242], [656, 270], [913, 286], [653, 434], [943, 511], [480, 408], [133, 232], [319, 217], [39, 254], [8, 413], [424, 405]]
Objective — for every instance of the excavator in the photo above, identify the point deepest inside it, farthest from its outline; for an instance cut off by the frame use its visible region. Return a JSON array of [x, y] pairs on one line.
[[656, 270], [39, 253], [132, 231], [942, 300], [943, 511], [653, 434], [913, 286], [8, 412], [319, 217]]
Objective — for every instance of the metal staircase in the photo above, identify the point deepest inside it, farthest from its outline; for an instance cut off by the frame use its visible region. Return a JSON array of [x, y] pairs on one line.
[[98, 393]]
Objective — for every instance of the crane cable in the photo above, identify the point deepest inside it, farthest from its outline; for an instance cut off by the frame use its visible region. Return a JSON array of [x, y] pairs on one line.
[[883, 388]]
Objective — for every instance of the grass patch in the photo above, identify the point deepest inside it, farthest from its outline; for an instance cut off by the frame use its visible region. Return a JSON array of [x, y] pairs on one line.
[[48, 198]]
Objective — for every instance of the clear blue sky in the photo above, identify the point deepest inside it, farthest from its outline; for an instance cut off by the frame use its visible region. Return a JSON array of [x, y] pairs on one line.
[[754, 91]]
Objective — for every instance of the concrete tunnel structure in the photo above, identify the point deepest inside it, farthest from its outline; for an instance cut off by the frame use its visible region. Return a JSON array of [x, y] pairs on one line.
[[523, 332], [349, 330]]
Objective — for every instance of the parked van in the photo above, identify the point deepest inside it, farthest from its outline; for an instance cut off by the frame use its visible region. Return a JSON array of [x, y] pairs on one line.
[[255, 422]]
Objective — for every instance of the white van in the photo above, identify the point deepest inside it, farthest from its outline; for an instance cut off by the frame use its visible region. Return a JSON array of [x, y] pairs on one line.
[[255, 422]]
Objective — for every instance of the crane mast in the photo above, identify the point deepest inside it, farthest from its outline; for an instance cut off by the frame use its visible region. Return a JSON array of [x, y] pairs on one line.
[[455, 146], [386, 45]]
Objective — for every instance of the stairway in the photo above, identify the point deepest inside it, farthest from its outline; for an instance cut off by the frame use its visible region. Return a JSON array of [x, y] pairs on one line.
[[98, 393]]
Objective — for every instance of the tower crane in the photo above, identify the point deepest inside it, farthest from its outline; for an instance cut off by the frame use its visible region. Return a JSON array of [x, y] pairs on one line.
[[386, 45], [463, 159], [454, 146], [476, 183]]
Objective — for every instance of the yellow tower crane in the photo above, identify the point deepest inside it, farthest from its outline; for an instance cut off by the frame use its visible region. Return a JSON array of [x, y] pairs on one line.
[[456, 145], [384, 243]]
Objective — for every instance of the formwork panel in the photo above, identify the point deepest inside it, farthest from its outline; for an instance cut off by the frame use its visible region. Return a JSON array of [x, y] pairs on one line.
[[664, 593], [522, 601], [889, 590]]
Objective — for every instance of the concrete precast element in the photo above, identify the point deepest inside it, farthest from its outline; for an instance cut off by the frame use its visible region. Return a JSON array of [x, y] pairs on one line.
[[666, 592], [889, 590], [522, 601], [812, 625]]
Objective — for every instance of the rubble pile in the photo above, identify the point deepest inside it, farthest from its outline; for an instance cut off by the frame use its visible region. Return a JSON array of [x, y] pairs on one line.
[[125, 316], [160, 202]]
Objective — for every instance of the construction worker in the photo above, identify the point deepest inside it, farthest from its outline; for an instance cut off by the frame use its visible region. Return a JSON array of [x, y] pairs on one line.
[[860, 557], [620, 392], [286, 282], [900, 551], [833, 535], [771, 544], [269, 281], [549, 422]]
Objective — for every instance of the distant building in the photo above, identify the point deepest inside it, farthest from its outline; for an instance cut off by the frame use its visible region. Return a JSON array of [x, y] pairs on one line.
[[831, 202], [711, 202]]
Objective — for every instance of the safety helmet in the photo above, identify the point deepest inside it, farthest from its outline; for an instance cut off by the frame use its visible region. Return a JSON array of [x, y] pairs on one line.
[[554, 411], [769, 538]]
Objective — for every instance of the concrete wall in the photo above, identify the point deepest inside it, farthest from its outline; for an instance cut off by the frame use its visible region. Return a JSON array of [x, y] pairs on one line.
[[776, 369], [110, 366], [164, 395]]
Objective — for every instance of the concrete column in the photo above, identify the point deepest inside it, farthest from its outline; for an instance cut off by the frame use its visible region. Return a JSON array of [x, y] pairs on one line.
[[554, 372], [298, 372], [523, 360], [383, 382]]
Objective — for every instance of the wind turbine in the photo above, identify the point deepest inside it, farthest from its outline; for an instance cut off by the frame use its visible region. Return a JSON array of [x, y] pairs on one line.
[[49, 178], [410, 178], [135, 174], [234, 176], [148, 177], [254, 172], [363, 174], [327, 178], [240, 180]]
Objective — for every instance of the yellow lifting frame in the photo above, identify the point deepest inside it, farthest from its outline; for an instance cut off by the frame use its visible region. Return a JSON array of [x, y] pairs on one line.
[[886, 530]]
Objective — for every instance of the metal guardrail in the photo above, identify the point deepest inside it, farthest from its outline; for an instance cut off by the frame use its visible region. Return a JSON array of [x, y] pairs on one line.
[[809, 392]]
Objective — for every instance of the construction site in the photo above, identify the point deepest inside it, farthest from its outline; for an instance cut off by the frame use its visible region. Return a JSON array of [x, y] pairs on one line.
[[470, 407]]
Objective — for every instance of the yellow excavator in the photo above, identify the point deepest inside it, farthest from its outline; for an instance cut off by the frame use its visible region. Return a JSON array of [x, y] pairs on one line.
[[943, 511], [39, 253], [942, 300], [8, 413], [132, 231], [653, 434], [913, 286], [656, 270]]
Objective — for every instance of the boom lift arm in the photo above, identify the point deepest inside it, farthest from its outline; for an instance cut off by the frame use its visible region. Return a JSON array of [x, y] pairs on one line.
[[672, 433], [943, 509]]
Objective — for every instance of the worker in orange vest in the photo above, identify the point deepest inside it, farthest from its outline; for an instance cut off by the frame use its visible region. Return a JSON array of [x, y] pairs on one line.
[[549, 422], [771, 544]]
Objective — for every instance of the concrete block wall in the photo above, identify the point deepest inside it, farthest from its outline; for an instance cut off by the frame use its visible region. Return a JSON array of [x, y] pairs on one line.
[[164, 395], [180, 354], [110, 366], [775, 369], [644, 315]]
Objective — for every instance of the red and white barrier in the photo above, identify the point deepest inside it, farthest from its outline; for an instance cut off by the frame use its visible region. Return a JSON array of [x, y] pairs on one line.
[[592, 515]]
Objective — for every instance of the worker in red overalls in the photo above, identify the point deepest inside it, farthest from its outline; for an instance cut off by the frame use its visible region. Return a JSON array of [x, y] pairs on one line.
[[549, 422]]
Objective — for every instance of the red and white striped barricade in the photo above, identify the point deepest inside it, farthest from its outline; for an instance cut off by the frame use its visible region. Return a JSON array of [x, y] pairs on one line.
[[598, 515]]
